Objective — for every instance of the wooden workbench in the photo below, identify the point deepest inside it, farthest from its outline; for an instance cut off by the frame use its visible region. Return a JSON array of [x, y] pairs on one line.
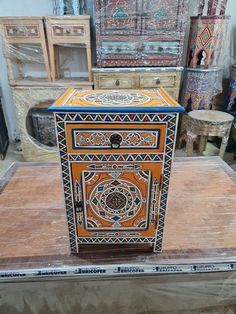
[[195, 270]]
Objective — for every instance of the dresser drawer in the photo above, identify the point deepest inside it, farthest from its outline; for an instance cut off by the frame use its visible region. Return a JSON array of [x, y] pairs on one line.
[[117, 81], [116, 137], [154, 80], [18, 31]]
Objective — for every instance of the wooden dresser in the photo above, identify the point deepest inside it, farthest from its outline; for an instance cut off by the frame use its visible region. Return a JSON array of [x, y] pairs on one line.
[[116, 151], [139, 78]]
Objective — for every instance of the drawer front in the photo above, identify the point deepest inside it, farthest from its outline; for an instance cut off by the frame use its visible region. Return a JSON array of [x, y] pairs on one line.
[[115, 138], [120, 82], [98, 138], [22, 31], [68, 30], [109, 200], [154, 80]]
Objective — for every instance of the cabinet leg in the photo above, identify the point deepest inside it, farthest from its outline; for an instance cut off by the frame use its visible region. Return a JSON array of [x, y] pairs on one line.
[[89, 61], [57, 62], [156, 249], [46, 62], [52, 62]]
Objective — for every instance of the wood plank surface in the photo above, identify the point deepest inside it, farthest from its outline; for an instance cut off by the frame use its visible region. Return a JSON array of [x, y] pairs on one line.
[[200, 222]]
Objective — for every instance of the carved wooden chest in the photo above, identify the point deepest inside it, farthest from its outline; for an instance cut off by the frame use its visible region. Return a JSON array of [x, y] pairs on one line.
[[116, 151], [140, 32]]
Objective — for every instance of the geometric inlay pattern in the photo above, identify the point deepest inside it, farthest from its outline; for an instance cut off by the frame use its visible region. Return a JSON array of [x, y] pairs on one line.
[[165, 118], [101, 138], [116, 200], [117, 98]]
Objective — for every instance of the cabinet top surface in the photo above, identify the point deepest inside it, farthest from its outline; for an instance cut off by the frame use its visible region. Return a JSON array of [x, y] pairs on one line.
[[156, 100]]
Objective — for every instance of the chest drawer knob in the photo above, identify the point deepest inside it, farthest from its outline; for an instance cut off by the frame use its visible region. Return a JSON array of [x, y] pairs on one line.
[[117, 83], [115, 140]]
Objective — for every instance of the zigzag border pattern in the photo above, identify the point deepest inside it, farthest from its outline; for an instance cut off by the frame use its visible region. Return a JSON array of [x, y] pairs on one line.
[[170, 142], [116, 157], [110, 240], [62, 144], [62, 118]]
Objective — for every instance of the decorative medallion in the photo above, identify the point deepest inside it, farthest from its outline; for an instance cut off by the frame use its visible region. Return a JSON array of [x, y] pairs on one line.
[[116, 199], [117, 98]]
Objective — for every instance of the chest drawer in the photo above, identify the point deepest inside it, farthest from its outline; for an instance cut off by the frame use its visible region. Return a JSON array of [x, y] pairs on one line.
[[18, 31], [115, 137], [154, 80], [117, 81]]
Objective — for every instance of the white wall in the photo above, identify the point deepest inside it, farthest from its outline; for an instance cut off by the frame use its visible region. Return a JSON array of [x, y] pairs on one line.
[[45, 7], [231, 10]]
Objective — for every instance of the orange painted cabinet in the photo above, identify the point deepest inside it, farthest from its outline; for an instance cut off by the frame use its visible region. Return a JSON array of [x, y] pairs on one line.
[[116, 150]]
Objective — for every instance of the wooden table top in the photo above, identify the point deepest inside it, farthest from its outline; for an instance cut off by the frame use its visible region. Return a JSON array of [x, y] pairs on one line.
[[200, 230]]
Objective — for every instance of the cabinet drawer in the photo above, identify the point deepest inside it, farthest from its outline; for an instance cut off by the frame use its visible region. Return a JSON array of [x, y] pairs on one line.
[[115, 138], [17, 31], [68, 30], [154, 80], [120, 82]]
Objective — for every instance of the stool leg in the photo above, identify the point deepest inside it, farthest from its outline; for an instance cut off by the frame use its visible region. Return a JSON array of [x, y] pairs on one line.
[[189, 143], [224, 142], [181, 139], [202, 144]]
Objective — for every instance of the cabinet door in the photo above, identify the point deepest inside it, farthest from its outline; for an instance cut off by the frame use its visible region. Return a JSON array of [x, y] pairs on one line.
[[162, 16], [116, 197], [118, 17]]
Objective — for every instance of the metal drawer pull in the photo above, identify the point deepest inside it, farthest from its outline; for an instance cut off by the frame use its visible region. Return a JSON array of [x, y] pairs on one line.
[[117, 83], [115, 140], [158, 81]]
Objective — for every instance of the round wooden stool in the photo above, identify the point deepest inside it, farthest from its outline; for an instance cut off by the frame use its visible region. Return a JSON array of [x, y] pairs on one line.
[[203, 123]]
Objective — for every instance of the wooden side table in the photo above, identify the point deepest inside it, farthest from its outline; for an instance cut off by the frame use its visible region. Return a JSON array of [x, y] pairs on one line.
[[67, 30], [23, 30], [204, 123]]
